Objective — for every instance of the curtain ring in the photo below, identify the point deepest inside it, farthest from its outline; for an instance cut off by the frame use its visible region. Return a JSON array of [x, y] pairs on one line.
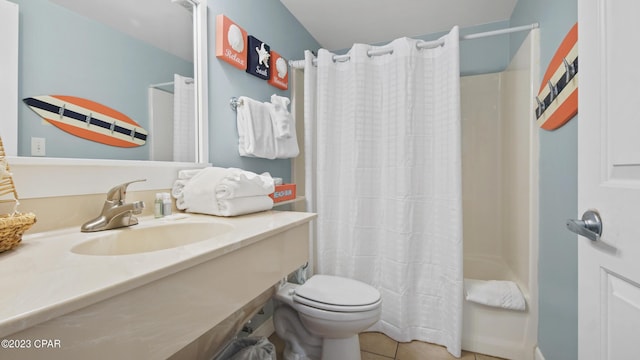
[[390, 52]]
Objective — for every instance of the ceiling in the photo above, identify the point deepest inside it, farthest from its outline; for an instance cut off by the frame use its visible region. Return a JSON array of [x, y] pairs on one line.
[[337, 24], [167, 24]]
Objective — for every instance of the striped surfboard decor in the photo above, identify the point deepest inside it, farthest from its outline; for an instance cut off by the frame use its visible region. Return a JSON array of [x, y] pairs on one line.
[[558, 95], [88, 119]]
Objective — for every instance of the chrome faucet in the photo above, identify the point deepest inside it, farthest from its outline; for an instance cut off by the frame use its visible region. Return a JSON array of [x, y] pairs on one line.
[[115, 212]]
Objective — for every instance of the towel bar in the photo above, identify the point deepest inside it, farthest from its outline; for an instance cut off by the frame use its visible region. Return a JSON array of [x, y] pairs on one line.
[[234, 102]]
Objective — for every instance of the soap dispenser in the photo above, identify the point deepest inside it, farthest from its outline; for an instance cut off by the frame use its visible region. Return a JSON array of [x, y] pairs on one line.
[[166, 204], [158, 206]]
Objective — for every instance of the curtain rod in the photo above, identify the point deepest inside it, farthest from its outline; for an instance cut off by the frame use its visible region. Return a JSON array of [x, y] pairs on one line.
[[299, 64]]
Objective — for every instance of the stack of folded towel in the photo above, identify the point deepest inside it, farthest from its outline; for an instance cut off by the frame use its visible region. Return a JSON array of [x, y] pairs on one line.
[[223, 191], [266, 130]]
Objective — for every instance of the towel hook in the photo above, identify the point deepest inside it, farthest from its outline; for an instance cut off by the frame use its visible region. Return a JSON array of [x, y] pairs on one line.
[[553, 91], [61, 111], [570, 70], [234, 103], [541, 107]]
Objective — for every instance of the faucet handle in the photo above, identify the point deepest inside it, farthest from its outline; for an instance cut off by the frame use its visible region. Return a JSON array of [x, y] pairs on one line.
[[119, 192]]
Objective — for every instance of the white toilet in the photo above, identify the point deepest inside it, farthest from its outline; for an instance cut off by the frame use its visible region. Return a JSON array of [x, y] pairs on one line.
[[332, 311]]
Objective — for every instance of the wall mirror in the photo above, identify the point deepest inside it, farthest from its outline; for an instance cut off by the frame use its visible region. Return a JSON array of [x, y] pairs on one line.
[[126, 55]]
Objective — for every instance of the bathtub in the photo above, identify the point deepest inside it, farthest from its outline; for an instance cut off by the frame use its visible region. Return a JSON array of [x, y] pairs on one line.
[[497, 332]]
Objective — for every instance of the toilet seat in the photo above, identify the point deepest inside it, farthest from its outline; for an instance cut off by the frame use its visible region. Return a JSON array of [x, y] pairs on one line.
[[338, 294], [338, 316], [336, 308]]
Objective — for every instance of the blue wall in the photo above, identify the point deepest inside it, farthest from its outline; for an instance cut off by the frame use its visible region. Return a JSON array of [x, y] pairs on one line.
[[271, 22], [558, 263], [64, 53]]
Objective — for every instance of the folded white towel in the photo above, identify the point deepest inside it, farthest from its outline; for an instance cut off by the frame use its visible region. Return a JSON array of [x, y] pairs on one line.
[[178, 187], [187, 174], [180, 204], [496, 293], [244, 205], [198, 195], [214, 190], [255, 131], [241, 183], [284, 128]]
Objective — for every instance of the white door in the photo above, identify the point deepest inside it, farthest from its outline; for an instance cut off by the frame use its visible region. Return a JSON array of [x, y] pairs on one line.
[[609, 178]]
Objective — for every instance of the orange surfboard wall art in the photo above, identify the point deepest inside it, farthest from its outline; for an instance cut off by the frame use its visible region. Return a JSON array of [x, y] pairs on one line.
[[558, 95], [88, 119]]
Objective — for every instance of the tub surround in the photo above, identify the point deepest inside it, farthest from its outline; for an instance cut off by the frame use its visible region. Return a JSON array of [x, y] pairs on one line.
[[500, 201], [499, 332], [147, 305]]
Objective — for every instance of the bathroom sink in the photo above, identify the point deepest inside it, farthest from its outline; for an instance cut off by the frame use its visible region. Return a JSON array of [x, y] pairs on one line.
[[136, 240]]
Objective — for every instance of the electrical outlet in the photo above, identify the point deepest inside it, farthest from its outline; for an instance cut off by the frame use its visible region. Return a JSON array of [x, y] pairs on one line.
[[37, 146]]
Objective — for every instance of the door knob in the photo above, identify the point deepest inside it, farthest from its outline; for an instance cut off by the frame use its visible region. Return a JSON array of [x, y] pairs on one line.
[[590, 226]]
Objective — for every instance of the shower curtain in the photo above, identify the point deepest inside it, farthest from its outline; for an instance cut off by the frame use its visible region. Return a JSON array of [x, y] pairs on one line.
[[184, 119], [382, 137]]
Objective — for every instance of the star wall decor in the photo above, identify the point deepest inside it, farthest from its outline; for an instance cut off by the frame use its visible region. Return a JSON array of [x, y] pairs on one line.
[[263, 56], [258, 58]]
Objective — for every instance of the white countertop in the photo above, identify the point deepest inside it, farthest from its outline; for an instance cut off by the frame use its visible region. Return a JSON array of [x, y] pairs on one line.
[[42, 279]]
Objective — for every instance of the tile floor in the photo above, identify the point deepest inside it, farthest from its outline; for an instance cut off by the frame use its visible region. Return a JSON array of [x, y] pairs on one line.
[[377, 346]]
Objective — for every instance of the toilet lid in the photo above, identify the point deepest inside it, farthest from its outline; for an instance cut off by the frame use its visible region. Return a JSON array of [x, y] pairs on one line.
[[335, 293]]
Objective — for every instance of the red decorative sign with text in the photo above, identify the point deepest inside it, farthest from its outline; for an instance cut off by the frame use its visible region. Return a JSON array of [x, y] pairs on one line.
[[279, 71], [231, 42]]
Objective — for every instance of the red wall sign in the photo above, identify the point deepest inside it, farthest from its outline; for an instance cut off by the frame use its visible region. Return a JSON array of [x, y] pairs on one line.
[[231, 42], [279, 71]]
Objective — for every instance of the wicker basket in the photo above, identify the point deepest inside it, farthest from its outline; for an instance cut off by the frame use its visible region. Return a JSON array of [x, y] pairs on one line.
[[12, 225]]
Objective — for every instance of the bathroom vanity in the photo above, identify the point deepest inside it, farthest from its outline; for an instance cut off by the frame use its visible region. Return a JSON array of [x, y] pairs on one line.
[[73, 295]]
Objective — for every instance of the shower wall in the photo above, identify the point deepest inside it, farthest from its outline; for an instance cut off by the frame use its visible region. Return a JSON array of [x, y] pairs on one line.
[[519, 165], [497, 167], [481, 164], [500, 201]]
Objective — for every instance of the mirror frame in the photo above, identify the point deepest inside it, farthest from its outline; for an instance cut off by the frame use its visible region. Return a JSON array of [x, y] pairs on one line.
[[40, 177]]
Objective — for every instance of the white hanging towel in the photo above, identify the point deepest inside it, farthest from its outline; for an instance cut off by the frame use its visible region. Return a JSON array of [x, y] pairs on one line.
[[496, 293], [284, 128], [255, 130], [281, 117]]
